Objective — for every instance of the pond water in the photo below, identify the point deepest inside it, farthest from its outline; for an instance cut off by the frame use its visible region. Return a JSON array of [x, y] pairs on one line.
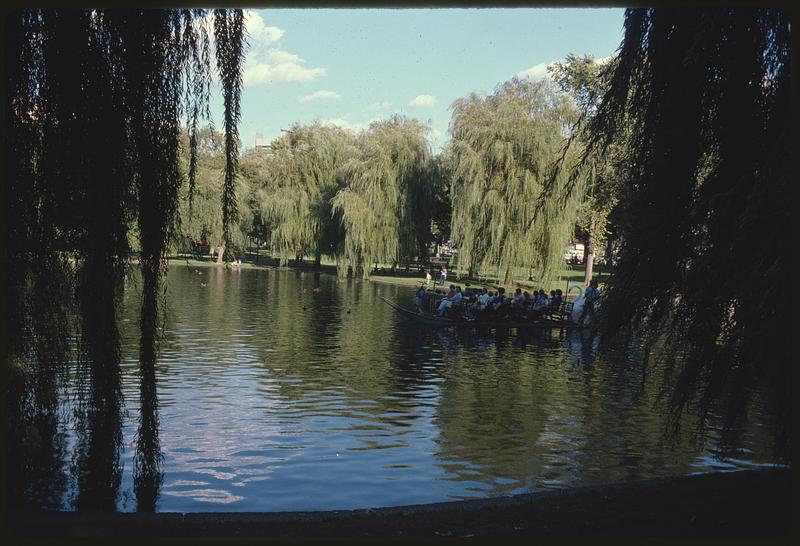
[[284, 390]]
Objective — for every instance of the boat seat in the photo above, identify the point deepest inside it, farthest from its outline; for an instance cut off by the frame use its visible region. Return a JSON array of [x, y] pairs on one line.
[[564, 311], [456, 310]]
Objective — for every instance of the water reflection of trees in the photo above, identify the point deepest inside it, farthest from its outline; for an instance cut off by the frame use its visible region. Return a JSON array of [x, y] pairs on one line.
[[334, 335], [493, 408], [521, 409]]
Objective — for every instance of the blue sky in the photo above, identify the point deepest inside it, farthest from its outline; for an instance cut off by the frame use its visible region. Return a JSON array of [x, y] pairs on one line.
[[351, 66]]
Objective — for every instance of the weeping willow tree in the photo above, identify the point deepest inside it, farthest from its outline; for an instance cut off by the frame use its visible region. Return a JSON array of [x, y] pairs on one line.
[[702, 98], [200, 204], [509, 149], [385, 206], [94, 102], [585, 80], [301, 181]]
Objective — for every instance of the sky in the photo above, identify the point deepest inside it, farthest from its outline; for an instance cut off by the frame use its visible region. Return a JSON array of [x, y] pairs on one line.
[[349, 67]]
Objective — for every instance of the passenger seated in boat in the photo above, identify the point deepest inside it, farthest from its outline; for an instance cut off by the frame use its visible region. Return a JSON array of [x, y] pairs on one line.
[[480, 307], [541, 299], [448, 300], [504, 311], [456, 309], [517, 304], [555, 302], [539, 305], [500, 298], [471, 307], [497, 302], [483, 299], [527, 304]]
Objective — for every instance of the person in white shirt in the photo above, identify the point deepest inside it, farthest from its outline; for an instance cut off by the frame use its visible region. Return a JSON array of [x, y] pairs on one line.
[[449, 301], [483, 299]]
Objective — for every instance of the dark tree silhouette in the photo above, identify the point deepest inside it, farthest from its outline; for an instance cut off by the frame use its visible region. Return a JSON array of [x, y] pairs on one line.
[[94, 106], [702, 97]]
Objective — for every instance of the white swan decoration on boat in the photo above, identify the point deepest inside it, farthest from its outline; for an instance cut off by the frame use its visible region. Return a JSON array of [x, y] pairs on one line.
[[577, 304]]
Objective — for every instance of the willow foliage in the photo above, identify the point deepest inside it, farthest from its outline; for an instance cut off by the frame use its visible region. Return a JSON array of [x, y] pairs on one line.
[[385, 205], [94, 102], [301, 181], [200, 201], [702, 97], [586, 81], [506, 147]]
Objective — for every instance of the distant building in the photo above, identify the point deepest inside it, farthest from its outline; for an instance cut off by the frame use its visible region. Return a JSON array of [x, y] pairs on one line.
[[259, 141], [574, 252]]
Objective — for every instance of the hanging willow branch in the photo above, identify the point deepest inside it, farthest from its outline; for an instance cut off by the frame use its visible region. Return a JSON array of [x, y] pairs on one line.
[[230, 41], [701, 96], [94, 103]]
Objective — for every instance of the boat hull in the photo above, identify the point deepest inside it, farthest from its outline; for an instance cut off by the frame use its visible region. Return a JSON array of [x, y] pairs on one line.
[[442, 322]]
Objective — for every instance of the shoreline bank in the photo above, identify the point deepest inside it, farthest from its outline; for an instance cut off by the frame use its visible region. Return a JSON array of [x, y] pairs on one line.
[[741, 505], [403, 280]]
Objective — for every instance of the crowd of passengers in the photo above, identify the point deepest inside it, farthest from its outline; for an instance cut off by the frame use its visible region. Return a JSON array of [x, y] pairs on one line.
[[480, 303]]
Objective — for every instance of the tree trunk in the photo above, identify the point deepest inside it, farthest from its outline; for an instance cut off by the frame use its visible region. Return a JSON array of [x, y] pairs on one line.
[[588, 261], [317, 260], [609, 262], [221, 253]]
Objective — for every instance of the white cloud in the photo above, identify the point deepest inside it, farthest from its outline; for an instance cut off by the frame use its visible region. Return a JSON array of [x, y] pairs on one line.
[[345, 124], [536, 72], [266, 74], [319, 95], [258, 32], [422, 101], [354, 126], [279, 56], [379, 105], [270, 65]]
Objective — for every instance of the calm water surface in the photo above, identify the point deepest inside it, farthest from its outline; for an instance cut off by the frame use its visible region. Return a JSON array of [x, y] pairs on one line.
[[283, 390]]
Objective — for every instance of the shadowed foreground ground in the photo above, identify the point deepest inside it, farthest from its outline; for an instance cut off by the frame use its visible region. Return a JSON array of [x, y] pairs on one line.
[[752, 506]]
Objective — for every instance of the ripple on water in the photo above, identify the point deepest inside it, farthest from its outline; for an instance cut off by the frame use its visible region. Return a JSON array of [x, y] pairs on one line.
[[266, 407]]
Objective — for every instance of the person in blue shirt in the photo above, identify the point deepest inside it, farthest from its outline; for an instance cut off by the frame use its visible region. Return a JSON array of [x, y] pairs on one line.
[[591, 298], [419, 298]]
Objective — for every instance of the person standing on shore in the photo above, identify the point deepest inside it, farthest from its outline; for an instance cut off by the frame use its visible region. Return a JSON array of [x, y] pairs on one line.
[[443, 275], [428, 277]]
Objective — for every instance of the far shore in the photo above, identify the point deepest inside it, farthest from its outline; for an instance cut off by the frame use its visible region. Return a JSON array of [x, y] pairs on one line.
[[410, 280]]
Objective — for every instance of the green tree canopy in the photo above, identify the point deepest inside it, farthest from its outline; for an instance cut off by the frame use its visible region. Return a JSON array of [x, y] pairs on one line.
[[385, 205], [586, 81], [506, 149], [302, 178], [200, 201]]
